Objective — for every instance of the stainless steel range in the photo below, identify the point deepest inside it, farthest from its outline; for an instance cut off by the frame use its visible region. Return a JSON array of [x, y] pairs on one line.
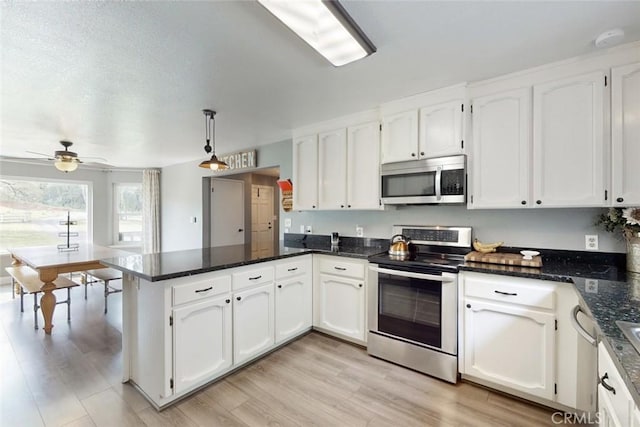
[[413, 300]]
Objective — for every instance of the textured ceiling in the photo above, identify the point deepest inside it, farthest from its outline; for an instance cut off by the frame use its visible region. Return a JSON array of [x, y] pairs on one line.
[[127, 81]]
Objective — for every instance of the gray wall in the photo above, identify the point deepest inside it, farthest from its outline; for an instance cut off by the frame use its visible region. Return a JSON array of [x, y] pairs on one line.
[[534, 228], [101, 182]]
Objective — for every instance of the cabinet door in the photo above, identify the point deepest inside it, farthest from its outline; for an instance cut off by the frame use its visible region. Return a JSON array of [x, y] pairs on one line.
[[511, 346], [501, 150], [568, 142], [440, 130], [363, 166], [400, 137], [293, 306], [201, 341], [305, 173], [342, 306], [625, 134], [253, 312], [332, 169]]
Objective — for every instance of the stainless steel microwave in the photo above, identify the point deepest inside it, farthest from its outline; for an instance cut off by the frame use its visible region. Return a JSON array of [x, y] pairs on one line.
[[429, 181]]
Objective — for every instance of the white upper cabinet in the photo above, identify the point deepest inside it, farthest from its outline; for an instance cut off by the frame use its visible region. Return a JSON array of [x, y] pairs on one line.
[[305, 172], [568, 142], [400, 137], [441, 130], [625, 134], [332, 169], [427, 125], [363, 166], [500, 151]]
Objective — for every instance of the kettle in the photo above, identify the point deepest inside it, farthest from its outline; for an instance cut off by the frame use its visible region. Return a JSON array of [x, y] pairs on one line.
[[399, 245]]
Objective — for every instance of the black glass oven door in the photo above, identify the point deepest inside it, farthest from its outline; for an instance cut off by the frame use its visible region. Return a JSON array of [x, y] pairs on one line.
[[410, 308]]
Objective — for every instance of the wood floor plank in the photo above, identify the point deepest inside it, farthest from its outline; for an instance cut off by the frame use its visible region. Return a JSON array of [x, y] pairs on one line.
[[204, 411], [85, 421], [170, 417], [226, 394], [108, 409], [256, 413]]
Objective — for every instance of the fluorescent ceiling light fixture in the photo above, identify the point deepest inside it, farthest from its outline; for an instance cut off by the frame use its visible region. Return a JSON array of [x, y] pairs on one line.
[[325, 26]]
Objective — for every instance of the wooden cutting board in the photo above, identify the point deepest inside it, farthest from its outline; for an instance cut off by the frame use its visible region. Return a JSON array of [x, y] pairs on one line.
[[503, 258]]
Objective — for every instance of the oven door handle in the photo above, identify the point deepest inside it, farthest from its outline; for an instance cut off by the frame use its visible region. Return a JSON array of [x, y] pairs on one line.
[[412, 275]]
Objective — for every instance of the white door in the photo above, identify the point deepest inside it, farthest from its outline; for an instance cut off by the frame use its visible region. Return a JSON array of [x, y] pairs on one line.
[[625, 134], [568, 142], [201, 341], [261, 221], [253, 312], [441, 130], [332, 170], [341, 305], [400, 137], [363, 166], [305, 173], [510, 345], [293, 306], [500, 150], [227, 212]]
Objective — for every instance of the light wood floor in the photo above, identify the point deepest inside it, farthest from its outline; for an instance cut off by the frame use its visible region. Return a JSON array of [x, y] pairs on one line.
[[72, 378]]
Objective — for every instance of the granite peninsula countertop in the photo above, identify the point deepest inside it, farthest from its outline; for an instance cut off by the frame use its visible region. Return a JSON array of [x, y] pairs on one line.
[[607, 292]]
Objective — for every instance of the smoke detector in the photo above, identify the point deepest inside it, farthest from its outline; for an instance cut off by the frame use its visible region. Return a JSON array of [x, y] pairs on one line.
[[609, 38]]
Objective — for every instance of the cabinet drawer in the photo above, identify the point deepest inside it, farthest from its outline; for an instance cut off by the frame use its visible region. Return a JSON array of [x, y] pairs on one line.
[[256, 276], [620, 401], [291, 269], [337, 266], [201, 289], [511, 290]]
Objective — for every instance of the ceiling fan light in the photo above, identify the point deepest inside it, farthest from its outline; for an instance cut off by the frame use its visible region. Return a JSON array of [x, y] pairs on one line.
[[66, 165]]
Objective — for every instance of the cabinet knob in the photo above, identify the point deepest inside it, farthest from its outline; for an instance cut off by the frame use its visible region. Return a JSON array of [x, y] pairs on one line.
[[413, 154], [279, 286], [619, 200], [238, 298], [227, 301], [342, 206], [359, 285], [314, 206], [468, 305], [524, 202], [348, 206], [538, 202], [422, 153], [240, 230]]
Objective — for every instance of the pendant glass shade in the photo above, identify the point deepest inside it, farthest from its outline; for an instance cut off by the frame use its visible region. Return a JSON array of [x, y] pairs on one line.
[[214, 164], [66, 165]]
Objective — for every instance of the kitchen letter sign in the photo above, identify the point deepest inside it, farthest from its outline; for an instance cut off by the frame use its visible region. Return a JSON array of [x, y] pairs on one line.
[[241, 159]]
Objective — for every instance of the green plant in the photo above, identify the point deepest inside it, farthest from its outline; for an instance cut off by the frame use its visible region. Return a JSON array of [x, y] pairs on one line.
[[625, 220]]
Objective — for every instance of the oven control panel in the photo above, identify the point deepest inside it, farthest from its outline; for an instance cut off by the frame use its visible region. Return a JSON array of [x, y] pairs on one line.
[[435, 235]]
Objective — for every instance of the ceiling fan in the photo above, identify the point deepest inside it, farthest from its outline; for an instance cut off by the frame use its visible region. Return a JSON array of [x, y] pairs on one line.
[[65, 160]]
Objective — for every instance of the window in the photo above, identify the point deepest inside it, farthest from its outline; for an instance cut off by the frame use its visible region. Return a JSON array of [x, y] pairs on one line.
[[31, 212], [127, 213]]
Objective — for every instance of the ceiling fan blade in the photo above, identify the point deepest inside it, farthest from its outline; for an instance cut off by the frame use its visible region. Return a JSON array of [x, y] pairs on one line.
[[94, 158], [39, 154]]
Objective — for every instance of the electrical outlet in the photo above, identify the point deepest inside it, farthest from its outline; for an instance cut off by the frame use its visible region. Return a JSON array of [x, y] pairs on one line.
[[287, 222], [359, 231], [309, 229], [591, 286], [591, 242], [302, 229]]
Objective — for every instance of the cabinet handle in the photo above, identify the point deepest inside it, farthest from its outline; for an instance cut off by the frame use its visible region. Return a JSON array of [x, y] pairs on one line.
[[538, 202], [204, 290], [619, 200], [292, 269], [468, 305], [359, 285], [605, 385], [506, 293], [227, 301], [340, 268], [524, 202], [255, 278], [279, 286], [238, 298]]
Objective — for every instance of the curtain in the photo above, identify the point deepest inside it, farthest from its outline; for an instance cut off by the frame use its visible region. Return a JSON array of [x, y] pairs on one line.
[[150, 211]]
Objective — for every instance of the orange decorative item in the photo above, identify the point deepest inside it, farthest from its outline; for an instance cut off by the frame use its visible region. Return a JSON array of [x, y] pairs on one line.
[[286, 187]]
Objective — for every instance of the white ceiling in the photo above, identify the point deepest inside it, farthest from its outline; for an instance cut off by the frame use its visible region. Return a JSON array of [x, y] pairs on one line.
[[127, 80]]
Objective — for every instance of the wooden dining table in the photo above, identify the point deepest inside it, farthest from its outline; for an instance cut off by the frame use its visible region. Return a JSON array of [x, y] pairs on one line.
[[50, 262]]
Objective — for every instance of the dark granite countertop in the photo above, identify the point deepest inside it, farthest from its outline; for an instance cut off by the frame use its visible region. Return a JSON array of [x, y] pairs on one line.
[[170, 265], [608, 293]]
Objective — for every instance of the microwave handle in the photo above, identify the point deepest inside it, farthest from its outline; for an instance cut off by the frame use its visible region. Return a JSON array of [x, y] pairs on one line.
[[438, 183], [412, 275]]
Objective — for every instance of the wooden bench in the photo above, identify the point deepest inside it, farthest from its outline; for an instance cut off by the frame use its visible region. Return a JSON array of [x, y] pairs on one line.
[[104, 275], [29, 282]]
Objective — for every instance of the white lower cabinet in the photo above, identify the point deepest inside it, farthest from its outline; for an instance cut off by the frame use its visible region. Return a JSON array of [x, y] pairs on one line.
[[202, 341], [615, 404], [517, 336], [293, 307], [253, 312]]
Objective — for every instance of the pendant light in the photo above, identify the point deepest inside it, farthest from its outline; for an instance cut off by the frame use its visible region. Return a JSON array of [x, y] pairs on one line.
[[210, 132]]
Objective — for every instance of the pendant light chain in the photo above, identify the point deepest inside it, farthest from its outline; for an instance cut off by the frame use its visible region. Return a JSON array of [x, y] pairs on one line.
[[210, 135]]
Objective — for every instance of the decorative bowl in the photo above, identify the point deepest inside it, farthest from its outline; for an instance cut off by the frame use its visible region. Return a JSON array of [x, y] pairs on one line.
[[529, 254]]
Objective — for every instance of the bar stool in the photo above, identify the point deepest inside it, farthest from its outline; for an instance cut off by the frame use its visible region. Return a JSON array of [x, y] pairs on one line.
[[105, 275]]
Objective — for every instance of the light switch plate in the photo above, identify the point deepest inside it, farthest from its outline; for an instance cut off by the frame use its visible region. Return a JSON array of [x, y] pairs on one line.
[[302, 229], [359, 231], [309, 230], [287, 222]]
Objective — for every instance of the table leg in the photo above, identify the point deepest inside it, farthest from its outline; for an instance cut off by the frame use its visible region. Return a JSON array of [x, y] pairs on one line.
[[48, 300], [15, 262]]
